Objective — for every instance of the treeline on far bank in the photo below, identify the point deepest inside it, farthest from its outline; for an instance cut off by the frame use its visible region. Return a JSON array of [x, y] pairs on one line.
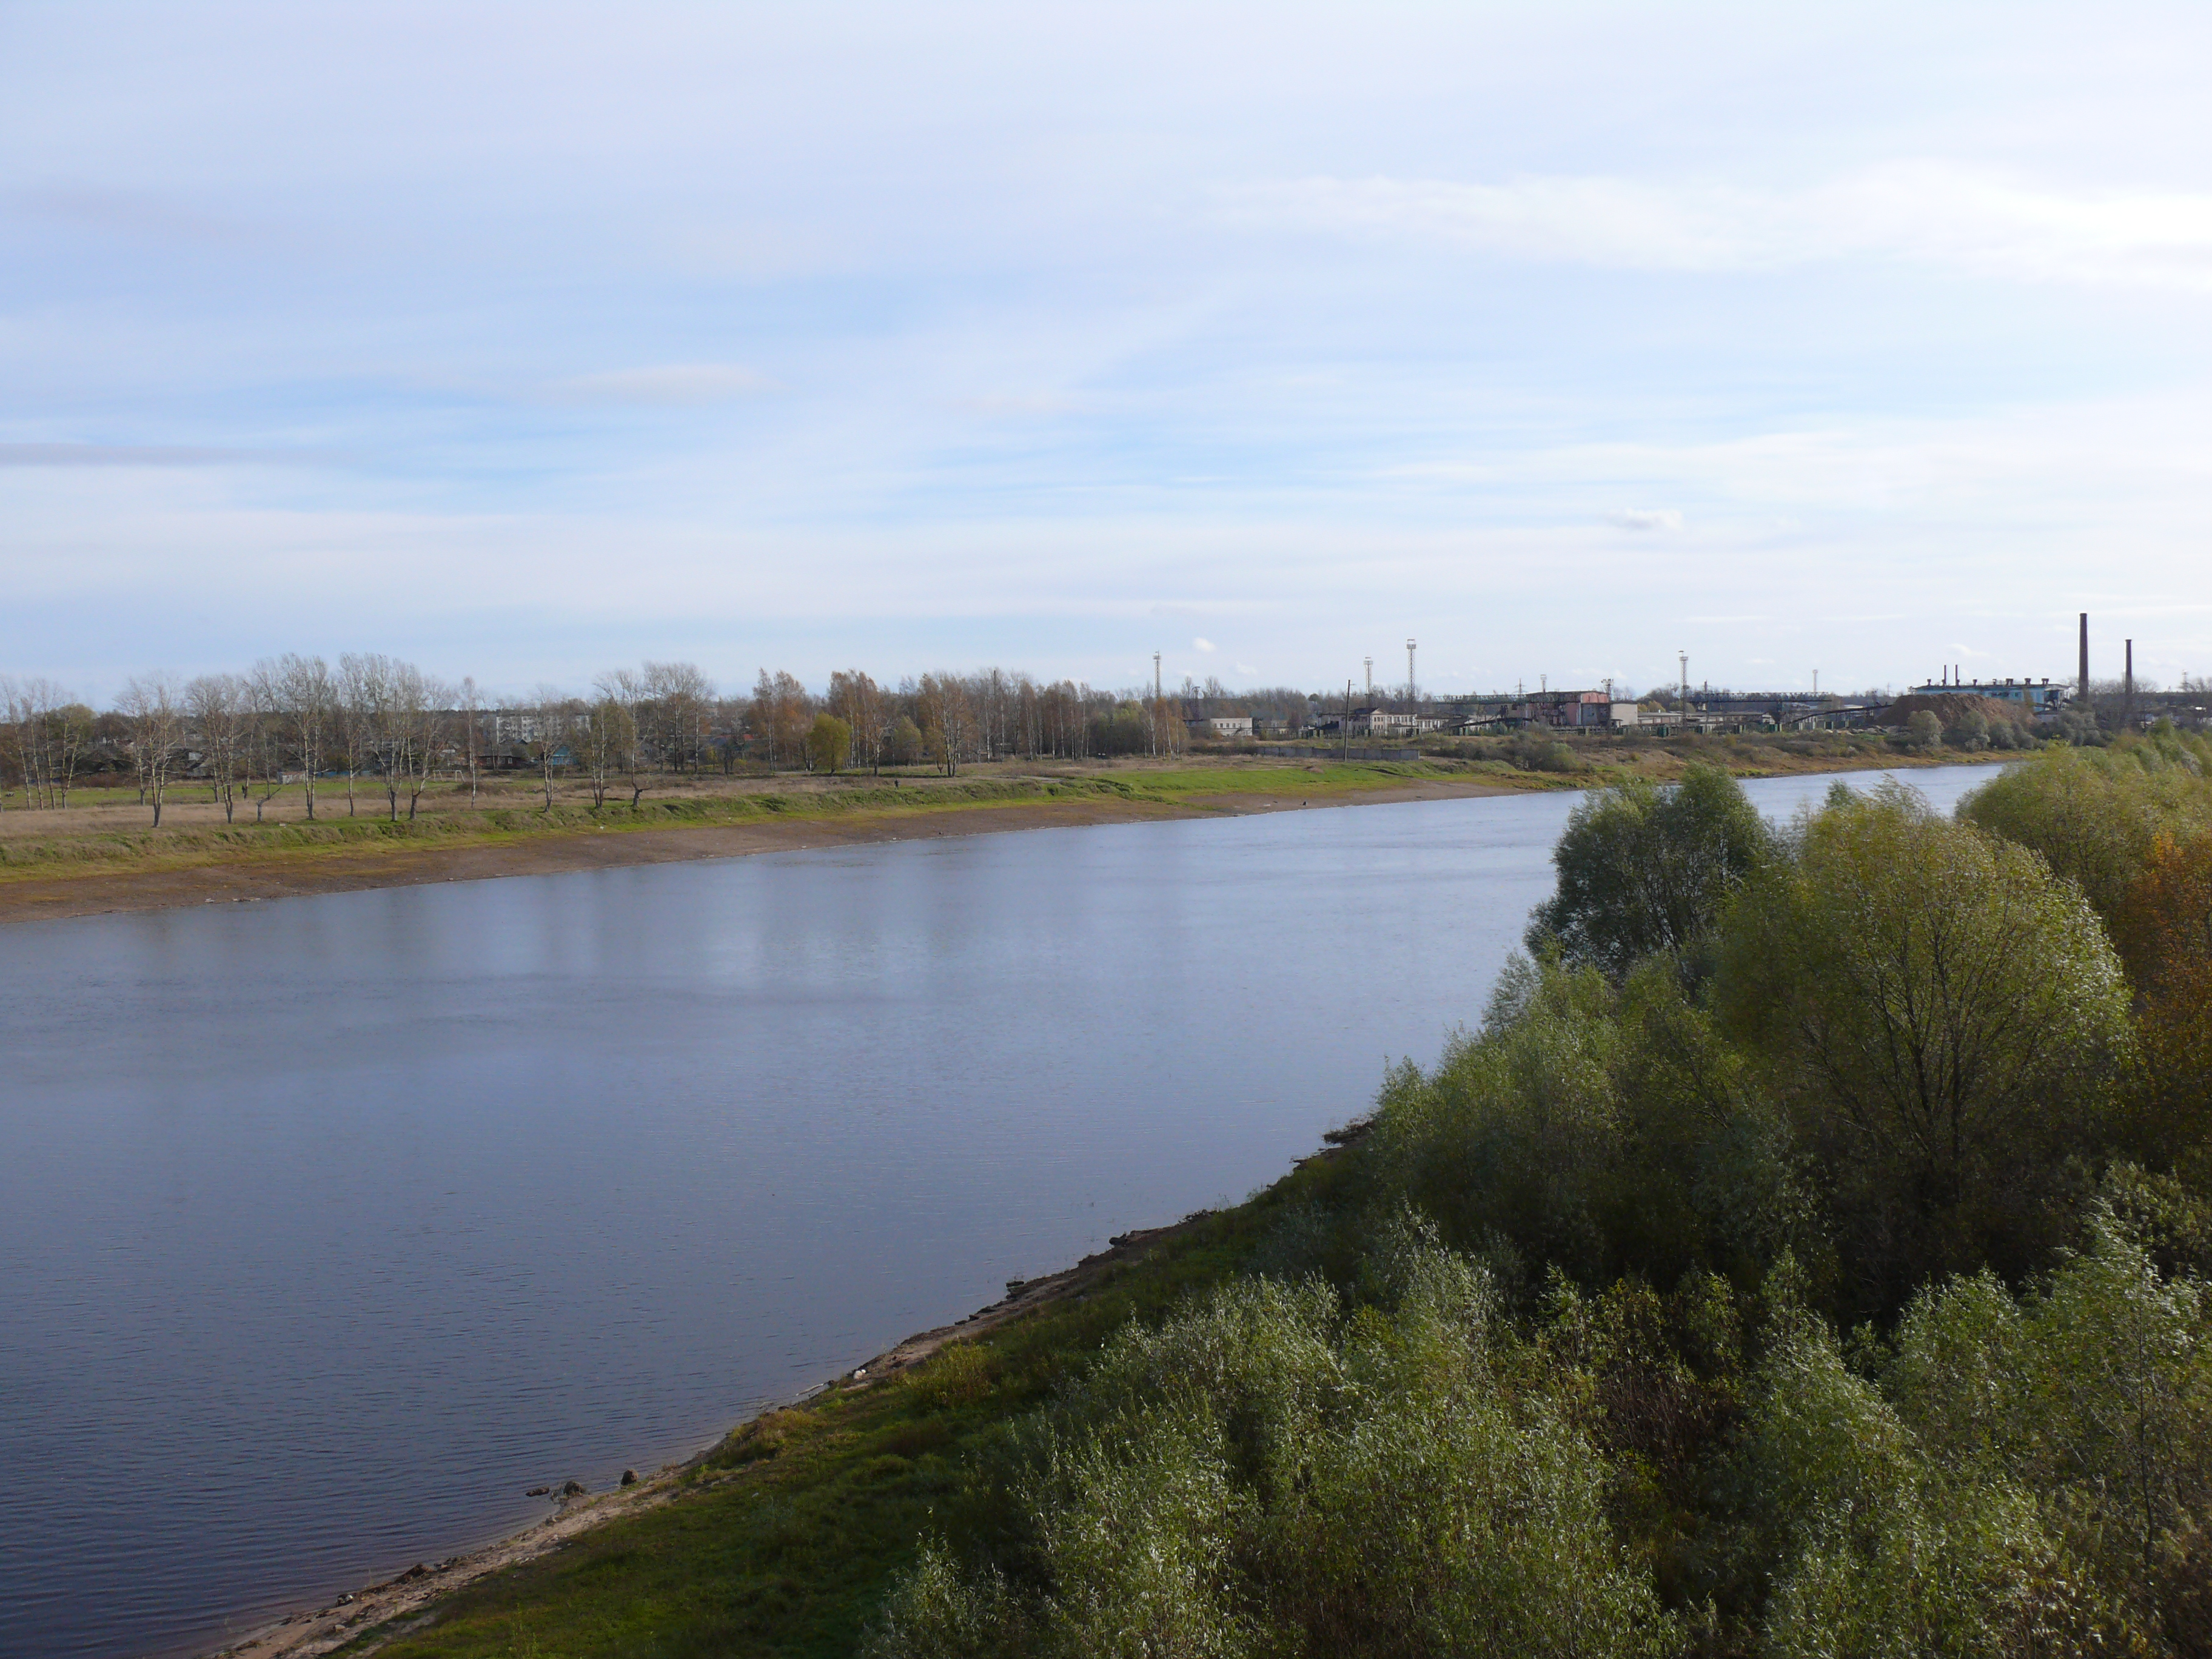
[[294, 719], [1805, 1255]]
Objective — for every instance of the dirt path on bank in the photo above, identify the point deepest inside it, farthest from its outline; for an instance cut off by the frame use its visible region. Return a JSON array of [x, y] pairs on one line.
[[94, 891]]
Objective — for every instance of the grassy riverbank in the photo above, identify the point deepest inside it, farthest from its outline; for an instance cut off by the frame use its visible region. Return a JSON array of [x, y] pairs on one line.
[[782, 1540], [102, 852]]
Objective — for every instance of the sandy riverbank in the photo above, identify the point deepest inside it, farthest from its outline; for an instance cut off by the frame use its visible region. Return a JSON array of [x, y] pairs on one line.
[[93, 890]]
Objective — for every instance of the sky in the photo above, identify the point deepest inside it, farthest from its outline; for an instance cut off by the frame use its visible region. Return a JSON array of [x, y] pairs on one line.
[[525, 342]]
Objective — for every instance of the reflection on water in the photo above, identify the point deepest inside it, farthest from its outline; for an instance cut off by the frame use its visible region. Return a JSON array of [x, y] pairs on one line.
[[328, 1226]]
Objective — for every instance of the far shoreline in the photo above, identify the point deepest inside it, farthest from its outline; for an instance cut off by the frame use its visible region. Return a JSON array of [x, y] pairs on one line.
[[259, 877], [559, 852]]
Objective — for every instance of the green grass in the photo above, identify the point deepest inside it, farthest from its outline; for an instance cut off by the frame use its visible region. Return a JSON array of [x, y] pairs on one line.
[[783, 1537], [1192, 785], [201, 845]]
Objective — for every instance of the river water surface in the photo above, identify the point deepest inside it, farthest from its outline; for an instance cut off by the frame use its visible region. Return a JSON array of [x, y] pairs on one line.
[[329, 1225]]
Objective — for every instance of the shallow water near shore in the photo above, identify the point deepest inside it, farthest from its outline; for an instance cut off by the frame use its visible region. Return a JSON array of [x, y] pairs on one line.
[[328, 1226]]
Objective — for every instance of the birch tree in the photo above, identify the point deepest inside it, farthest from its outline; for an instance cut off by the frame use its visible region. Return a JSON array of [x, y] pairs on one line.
[[300, 692], [153, 710], [220, 711]]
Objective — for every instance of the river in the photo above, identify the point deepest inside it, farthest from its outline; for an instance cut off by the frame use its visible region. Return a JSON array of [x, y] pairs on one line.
[[328, 1226]]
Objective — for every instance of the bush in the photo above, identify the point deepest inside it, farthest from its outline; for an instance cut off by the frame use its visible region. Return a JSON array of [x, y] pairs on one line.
[[1941, 1016], [1533, 752], [1266, 1473], [1644, 871], [1594, 1129], [2094, 814]]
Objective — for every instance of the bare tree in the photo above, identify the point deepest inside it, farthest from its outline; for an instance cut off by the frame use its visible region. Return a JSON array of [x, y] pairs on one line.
[[603, 735], [407, 732], [629, 701], [947, 720], [781, 712], [680, 698], [428, 737], [300, 691], [47, 732], [547, 733], [219, 709], [154, 714], [271, 734], [860, 703], [360, 693], [471, 713]]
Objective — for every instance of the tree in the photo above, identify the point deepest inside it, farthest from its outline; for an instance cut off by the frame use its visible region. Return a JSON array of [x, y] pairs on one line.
[[421, 704], [947, 720], [1971, 733], [2164, 934], [546, 732], [603, 736], [360, 694], [627, 693], [154, 713], [1645, 870], [2095, 814], [781, 712], [471, 713], [1924, 731], [300, 690], [271, 733], [49, 733], [904, 744], [1942, 1015], [829, 743], [220, 710], [675, 703], [859, 702]]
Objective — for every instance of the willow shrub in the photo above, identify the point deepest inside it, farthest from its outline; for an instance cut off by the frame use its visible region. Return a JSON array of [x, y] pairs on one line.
[[2164, 932], [1645, 868], [1271, 1472], [2094, 814], [1594, 1129], [1944, 1017], [2020, 1475]]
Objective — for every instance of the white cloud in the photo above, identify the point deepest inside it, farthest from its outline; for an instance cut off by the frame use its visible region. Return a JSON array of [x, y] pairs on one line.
[[1646, 518], [1203, 645], [667, 384], [1975, 220]]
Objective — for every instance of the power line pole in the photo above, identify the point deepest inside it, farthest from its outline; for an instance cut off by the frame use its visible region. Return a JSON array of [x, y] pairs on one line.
[[1156, 704]]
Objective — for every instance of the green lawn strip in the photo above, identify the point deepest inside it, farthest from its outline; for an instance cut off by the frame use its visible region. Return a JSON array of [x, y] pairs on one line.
[[785, 1535]]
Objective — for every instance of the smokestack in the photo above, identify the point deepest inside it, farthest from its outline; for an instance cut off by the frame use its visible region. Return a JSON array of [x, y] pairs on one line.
[[2085, 659], [2128, 687]]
